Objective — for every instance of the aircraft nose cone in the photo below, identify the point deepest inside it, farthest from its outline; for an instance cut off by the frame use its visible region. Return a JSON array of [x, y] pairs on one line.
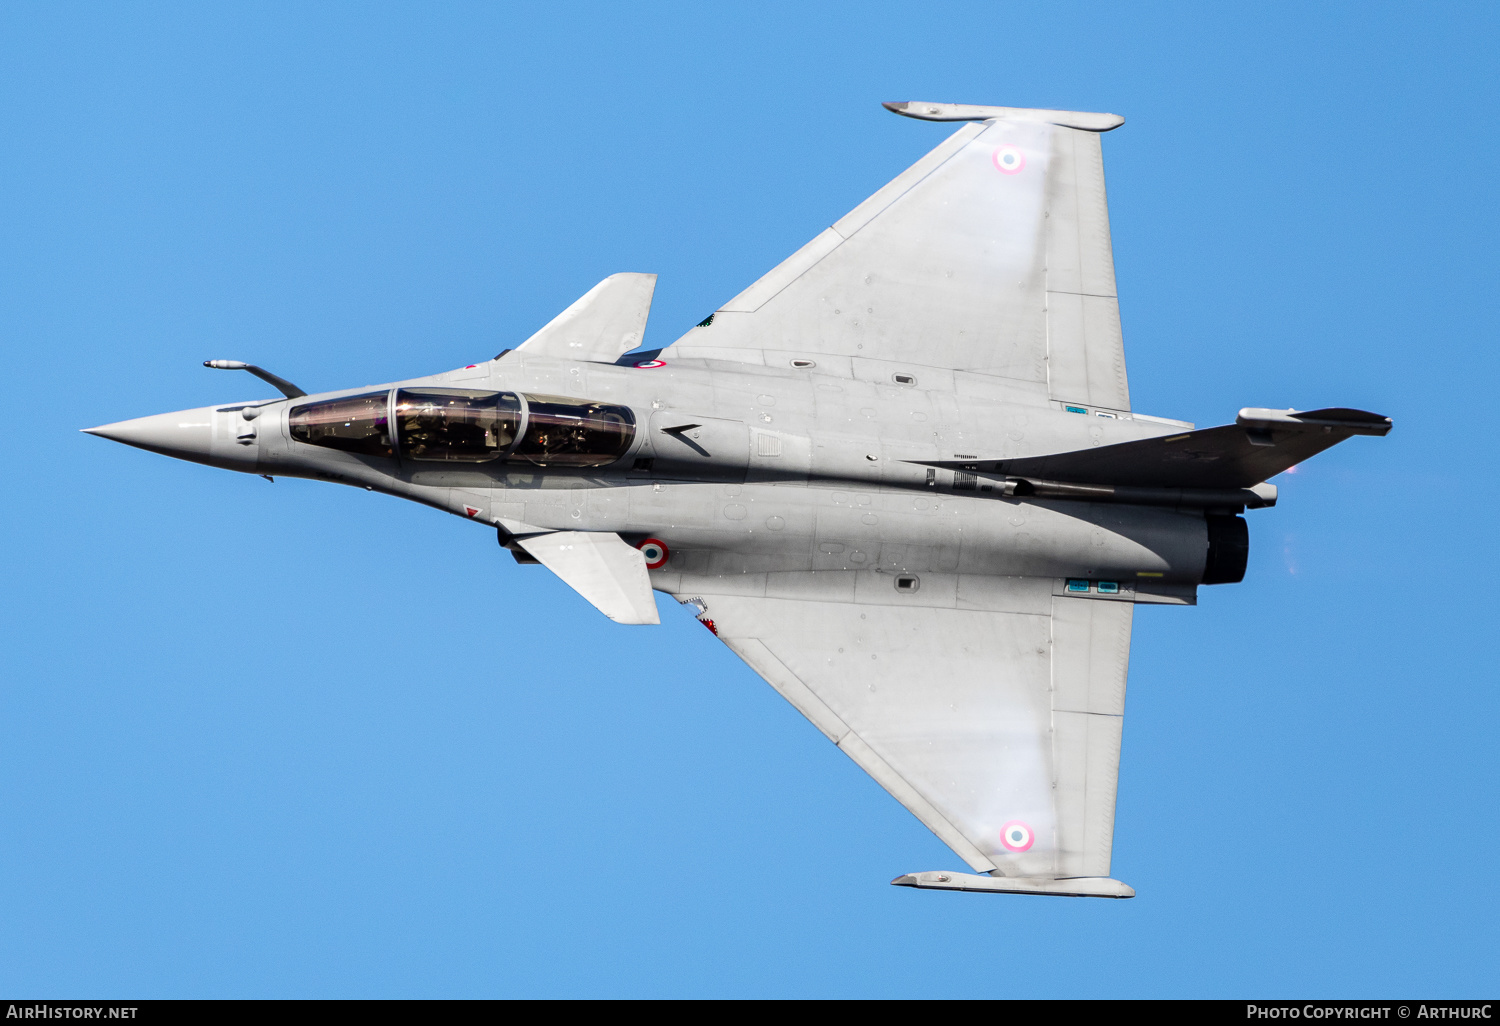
[[186, 434]]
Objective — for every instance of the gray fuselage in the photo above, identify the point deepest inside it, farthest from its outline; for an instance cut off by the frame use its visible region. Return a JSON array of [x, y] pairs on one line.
[[778, 470]]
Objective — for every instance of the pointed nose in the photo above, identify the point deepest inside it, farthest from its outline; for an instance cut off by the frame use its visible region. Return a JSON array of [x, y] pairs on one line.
[[187, 434]]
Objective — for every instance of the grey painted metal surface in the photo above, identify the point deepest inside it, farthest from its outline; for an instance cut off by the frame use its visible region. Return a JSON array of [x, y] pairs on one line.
[[601, 567], [991, 254], [899, 476], [608, 320]]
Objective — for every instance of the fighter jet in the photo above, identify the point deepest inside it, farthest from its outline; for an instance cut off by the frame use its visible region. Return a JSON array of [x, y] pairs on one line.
[[899, 476]]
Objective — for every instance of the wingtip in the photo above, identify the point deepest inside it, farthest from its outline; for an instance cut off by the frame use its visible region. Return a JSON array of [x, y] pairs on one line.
[[905, 879], [923, 110]]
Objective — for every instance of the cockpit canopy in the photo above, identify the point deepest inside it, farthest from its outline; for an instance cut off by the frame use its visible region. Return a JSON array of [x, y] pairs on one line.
[[456, 425], [462, 425], [355, 423], [562, 432]]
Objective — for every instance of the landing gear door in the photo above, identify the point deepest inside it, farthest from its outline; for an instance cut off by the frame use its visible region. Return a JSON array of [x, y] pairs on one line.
[[699, 448]]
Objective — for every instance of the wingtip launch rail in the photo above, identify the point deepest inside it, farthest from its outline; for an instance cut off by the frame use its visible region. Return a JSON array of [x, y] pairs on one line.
[[1085, 121], [1076, 887]]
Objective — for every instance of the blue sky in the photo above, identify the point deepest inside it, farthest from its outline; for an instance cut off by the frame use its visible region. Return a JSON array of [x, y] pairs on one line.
[[300, 740]]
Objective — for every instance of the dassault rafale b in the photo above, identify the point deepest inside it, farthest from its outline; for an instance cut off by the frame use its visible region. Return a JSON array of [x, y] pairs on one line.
[[899, 476]]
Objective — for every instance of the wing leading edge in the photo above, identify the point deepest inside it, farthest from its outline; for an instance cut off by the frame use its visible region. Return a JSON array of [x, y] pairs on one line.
[[990, 255]]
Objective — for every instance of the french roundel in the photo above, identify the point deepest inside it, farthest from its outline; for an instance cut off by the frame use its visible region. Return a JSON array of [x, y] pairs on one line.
[[656, 553], [1016, 836], [1009, 160], [651, 364]]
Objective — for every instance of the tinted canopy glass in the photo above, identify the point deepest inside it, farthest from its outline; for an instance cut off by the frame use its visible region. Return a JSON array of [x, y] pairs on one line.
[[563, 432], [456, 425], [355, 423]]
